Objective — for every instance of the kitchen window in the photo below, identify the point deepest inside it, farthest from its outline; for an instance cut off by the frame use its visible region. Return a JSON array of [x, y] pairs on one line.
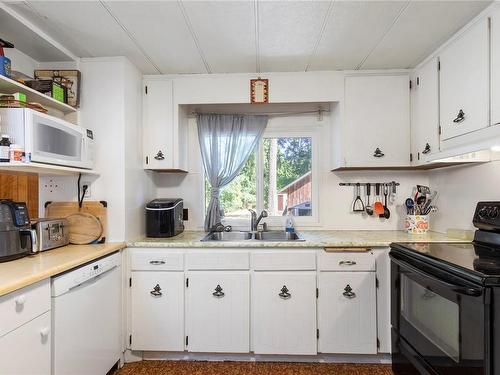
[[279, 177]]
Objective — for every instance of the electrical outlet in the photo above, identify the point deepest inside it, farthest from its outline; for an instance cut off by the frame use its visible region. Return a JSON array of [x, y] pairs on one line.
[[87, 193]]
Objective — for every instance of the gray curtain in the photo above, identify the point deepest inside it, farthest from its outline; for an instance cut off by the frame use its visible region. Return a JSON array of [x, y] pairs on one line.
[[226, 143]]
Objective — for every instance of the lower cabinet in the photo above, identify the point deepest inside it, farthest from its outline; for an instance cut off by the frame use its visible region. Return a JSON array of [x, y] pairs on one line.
[[347, 313], [157, 303], [26, 350], [218, 311], [284, 312]]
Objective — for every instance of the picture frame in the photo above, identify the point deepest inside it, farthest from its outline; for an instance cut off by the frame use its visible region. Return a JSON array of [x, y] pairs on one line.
[[259, 91]]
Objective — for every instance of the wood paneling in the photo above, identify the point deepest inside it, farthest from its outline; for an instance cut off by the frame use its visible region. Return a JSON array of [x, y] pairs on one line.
[[21, 188]]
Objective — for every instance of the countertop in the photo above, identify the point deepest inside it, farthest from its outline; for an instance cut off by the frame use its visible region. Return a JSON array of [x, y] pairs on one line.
[[22, 272], [313, 239]]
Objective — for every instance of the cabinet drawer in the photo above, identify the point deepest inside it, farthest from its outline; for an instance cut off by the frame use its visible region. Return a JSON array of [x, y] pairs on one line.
[[284, 261], [156, 260], [23, 305], [346, 261], [218, 260]]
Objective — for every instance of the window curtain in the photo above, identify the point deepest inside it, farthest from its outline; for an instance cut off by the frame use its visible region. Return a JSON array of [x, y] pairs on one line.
[[226, 143]]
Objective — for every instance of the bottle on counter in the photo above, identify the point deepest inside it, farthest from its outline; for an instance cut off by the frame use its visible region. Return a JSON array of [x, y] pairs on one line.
[[5, 149], [290, 225]]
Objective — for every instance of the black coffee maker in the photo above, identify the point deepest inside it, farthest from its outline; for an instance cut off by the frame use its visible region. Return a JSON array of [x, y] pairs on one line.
[[17, 240]]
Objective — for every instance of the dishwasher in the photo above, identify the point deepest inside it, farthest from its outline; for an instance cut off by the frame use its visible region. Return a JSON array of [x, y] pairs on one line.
[[86, 318]]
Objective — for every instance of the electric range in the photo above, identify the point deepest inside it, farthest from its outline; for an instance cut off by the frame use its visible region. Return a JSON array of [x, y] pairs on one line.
[[445, 302]]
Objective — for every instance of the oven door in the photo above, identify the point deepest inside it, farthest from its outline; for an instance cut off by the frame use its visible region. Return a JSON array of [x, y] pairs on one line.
[[441, 318]]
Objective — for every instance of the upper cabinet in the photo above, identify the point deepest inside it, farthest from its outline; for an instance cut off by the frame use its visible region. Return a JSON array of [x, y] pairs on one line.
[[464, 82], [375, 130], [495, 68], [425, 112], [164, 134]]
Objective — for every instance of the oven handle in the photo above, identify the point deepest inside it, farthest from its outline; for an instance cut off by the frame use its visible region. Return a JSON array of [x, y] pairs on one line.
[[461, 289]]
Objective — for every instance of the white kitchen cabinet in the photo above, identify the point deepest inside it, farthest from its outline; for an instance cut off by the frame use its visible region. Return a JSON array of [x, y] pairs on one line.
[[284, 313], [495, 67], [425, 112], [26, 350], [218, 311], [164, 135], [347, 314], [375, 130], [157, 316], [464, 82]]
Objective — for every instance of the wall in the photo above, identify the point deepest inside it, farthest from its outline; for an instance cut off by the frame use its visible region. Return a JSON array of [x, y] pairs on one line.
[[21, 62], [460, 188], [335, 202]]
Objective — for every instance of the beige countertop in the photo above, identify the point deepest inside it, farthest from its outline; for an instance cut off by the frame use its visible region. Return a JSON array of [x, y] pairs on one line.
[[22, 272], [313, 239]]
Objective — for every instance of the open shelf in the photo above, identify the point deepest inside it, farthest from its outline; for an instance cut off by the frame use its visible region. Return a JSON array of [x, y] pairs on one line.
[[44, 169], [9, 86]]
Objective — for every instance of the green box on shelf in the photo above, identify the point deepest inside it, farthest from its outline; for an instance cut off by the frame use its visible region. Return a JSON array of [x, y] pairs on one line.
[[58, 92]]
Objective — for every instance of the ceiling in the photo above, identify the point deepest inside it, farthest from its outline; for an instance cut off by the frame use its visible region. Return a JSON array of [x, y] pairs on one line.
[[252, 36]]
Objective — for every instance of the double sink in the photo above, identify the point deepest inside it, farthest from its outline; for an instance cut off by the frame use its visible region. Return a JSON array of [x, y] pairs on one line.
[[273, 235]]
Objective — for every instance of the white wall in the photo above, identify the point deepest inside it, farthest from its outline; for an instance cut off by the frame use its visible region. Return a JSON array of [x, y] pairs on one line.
[[460, 188], [21, 62], [335, 202]]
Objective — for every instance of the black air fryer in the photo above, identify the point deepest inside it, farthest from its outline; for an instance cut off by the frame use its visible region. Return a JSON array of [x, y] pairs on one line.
[[164, 217]]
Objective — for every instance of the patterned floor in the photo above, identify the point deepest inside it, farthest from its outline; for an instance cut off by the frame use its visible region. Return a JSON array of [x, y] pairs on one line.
[[249, 368]]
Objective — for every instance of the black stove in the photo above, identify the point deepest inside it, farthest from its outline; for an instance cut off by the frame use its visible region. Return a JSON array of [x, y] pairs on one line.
[[445, 302]]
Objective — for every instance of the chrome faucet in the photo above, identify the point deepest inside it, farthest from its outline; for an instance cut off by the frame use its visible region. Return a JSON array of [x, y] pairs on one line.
[[254, 221]]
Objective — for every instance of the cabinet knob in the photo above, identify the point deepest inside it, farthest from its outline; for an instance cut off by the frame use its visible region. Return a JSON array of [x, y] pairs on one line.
[[285, 293], [156, 262], [348, 293], [378, 153], [44, 332], [460, 117], [218, 292], [427, 149], [156, 292], [347, 263], [160, 155], [21, 300]]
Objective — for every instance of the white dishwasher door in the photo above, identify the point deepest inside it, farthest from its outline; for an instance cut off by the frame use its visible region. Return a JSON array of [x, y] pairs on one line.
[[86, 308]]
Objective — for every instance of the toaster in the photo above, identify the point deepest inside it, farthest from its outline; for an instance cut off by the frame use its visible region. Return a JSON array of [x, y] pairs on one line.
[[51, 233]]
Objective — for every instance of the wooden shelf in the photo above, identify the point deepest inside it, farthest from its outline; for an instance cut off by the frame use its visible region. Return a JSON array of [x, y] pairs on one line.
[[9, 86], [44, 169]]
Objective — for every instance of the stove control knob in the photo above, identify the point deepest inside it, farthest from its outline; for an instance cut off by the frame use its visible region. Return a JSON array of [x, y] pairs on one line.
[[493, 213], [483, 213]]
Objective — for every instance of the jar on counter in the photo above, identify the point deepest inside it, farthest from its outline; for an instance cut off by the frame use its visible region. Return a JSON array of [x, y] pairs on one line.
[[16, 153], [5, 149]]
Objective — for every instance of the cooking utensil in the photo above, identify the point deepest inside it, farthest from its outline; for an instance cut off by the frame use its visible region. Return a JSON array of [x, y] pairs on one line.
[[424, 190], [430, 199], [358, 205], [378, 207], [410, 204], [387, 212], [84, 228], [368, 208]]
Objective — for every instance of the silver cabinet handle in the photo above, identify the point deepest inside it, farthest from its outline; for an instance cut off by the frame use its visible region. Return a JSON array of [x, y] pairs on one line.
[[156, 262], [460, 117], [218, 292], [427, 149], [378, 153], [156, 292], [160, 155], [347, 263], [348, 293], [285, 293]]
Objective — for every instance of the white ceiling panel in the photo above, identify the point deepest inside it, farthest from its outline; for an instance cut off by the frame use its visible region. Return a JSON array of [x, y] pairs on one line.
[[288, 32], [85, 28], [161, 30], [422, 28], [353, 29], [226, 33]]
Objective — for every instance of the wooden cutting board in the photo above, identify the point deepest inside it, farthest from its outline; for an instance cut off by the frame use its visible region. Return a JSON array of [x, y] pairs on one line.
[[84, 228], [64, 209]]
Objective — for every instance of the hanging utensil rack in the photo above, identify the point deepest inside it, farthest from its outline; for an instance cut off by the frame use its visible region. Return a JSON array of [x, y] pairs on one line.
[[392, 183]]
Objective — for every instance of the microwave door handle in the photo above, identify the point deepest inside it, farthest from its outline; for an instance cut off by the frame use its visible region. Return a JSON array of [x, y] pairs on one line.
[[461, 289]]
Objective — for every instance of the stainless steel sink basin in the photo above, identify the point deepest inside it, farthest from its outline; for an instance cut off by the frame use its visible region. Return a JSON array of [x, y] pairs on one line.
[[228, 236], [274, 235], [277, 235]]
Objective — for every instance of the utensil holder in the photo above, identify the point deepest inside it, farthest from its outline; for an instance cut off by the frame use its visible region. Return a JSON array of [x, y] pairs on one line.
[[417, 224]]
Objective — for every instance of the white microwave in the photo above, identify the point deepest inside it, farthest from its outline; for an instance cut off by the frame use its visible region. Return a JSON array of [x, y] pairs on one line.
[[47, 139]]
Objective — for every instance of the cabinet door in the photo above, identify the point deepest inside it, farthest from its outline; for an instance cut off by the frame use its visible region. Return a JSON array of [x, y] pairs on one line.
[[157, 304], [158, 127], [284, 313], [347, 312], [464, 83], [425, 112], [218, 311], [377, 121], [495, 68], [26, 350]]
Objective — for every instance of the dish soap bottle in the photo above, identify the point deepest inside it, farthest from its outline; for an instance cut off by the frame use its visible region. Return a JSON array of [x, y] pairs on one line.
[[5, 149], [290, 225]]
